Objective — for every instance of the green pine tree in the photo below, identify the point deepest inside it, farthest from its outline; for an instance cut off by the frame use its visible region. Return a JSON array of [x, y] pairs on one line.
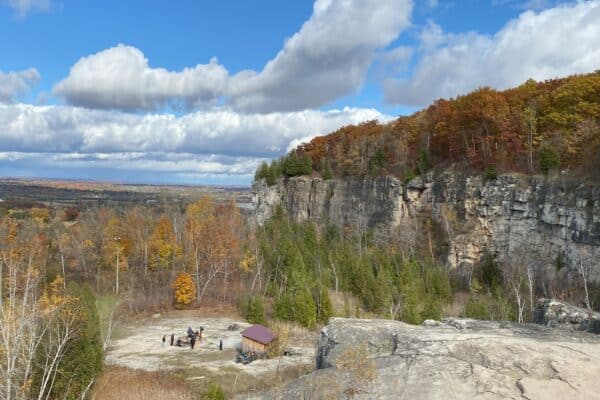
[[327, 174], [306, 167]]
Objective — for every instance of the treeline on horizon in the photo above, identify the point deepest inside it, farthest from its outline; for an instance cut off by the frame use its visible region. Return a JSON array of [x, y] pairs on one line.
[[533, 128]]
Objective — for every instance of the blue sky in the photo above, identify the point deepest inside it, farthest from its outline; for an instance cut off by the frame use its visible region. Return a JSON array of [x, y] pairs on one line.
[[201, 92]]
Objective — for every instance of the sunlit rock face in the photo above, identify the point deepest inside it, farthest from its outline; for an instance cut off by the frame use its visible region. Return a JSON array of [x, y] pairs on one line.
[[450, 359], [550, 222]]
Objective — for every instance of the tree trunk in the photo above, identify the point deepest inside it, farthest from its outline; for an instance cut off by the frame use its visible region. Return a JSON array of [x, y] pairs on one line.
[[117, 275], [62, 262], [197, 275]]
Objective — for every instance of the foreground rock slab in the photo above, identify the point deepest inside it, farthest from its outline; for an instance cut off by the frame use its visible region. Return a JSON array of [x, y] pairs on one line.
[[452, 359]]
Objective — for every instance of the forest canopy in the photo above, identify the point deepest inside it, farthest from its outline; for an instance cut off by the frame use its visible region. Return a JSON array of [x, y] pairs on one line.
[[533, 128]]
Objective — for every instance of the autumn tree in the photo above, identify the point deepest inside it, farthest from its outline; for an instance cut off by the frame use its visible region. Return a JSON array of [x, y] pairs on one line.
[[184, 289], [199, 217], [38, 323], [213, 237], [530, 125], [164, 248], [483, 129], [40, 216], [139, 225]]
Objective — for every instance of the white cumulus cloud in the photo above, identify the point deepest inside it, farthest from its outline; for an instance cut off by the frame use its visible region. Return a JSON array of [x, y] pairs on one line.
[[327, 58], [555, 42], [121, 78], [16, 83]]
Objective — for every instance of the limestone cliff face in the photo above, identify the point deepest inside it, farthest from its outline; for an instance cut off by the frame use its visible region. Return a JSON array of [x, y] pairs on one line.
[[512, 215]]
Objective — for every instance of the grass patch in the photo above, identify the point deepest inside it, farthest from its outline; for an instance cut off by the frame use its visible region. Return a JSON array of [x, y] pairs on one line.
[[105, 306], [234, 381], [120, 383]]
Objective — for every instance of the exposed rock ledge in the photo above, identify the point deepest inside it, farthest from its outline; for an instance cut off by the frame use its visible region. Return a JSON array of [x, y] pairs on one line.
[[547, 218], [457, 359]]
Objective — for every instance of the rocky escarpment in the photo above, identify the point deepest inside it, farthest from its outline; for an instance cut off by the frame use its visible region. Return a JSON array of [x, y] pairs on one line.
[[546, 220], [453, 359]]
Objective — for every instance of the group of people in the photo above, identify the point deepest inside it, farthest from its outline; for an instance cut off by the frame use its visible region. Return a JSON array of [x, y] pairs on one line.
[[192, 336]]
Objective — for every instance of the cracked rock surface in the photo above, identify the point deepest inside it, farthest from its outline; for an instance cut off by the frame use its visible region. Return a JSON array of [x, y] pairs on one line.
[[456, 359]]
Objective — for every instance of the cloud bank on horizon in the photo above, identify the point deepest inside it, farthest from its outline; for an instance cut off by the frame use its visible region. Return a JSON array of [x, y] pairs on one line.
[[116, 115]]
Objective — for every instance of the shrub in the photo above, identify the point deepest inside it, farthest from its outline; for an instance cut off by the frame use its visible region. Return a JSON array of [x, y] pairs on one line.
[[549, 158], [262, 172], [253, 309], [490, 306], [409, 175], [297, 306], [433, 309], [491, 275], [214, 392], [477, 308], [490, 172]]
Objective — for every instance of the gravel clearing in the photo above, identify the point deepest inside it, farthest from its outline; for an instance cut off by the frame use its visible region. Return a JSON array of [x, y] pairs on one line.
[[140, 347]]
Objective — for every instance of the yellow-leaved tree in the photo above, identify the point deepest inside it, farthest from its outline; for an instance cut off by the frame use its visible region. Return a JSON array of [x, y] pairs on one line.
[[164, 248], [184, 287]]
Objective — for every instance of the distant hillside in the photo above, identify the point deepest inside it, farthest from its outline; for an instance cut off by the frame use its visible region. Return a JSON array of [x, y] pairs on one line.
[[533, 128]]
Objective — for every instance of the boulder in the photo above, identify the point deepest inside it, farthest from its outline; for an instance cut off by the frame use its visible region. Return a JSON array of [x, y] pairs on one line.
[[558, 314]]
